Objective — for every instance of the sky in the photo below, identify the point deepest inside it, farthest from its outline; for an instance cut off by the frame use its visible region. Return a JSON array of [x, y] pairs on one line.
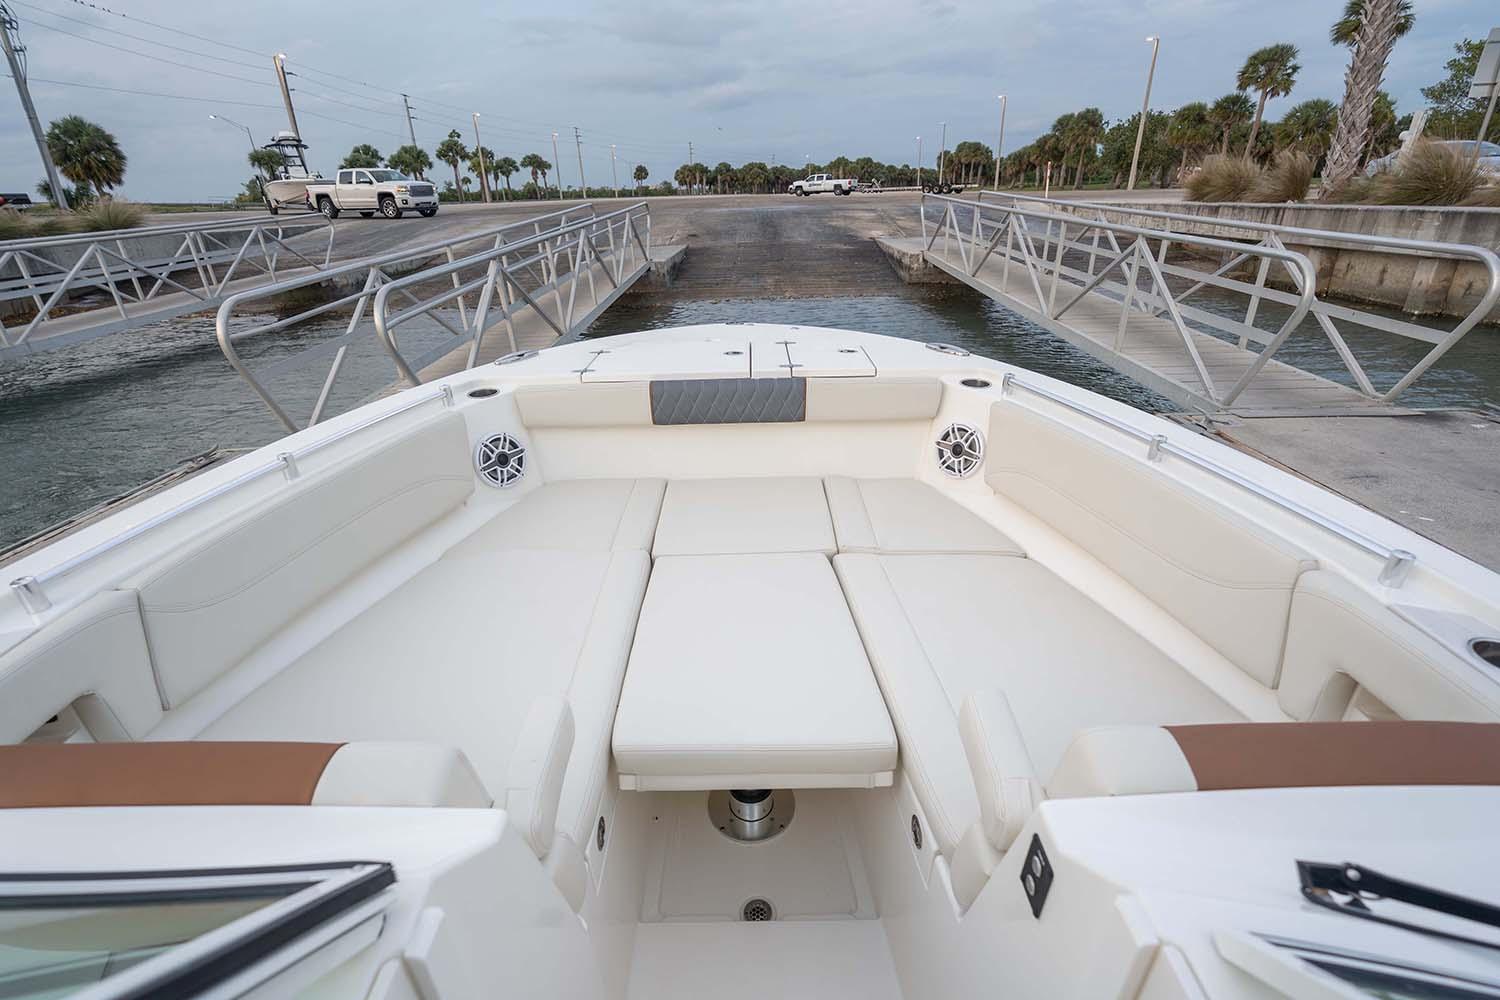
[[784, 81]]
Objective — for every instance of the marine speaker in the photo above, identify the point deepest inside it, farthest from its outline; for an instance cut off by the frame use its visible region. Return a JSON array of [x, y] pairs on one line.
[[960, 449], [500, 460]]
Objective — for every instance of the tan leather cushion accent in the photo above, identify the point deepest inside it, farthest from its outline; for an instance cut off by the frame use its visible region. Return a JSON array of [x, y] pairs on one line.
[[38, 776], [1314, 754]]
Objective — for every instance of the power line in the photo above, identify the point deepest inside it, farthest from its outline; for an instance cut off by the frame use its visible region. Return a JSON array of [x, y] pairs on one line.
[[138, 38], [147, 55], [188, 34], [151, 93]]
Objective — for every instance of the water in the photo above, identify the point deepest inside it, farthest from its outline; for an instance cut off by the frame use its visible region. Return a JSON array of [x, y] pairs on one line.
[[84, 425]]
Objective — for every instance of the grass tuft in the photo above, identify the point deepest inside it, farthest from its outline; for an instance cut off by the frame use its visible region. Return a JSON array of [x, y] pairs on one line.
[[1222, 178], [1287, 180], [1429, 174], [108, 214]]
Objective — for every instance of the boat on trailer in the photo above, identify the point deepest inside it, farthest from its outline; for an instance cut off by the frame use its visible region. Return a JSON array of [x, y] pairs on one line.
[[747, 661], [288, 189]]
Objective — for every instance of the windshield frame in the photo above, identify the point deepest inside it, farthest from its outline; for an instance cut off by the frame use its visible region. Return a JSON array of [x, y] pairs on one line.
[[1300, 968], [309, 905], [395, 178]]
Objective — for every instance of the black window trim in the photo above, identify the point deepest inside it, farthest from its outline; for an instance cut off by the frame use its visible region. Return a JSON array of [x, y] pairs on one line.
[[363, 880]]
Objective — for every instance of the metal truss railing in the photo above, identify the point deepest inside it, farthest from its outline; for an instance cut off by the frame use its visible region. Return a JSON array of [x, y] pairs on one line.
[[1123, 264], [519, 277], [1333, 319], [131, 266]]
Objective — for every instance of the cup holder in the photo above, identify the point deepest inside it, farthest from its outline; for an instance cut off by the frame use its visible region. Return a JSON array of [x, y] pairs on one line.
[[975, 383], [1487, 650], [482, 393]]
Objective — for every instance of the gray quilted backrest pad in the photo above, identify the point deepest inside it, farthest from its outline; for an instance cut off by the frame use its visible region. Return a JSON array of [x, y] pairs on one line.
[[729, 401]]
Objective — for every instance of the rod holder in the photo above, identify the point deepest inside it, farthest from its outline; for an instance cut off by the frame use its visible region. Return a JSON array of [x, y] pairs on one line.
[[1397, 566], [1153, 450], [289, 465], [29, 592]]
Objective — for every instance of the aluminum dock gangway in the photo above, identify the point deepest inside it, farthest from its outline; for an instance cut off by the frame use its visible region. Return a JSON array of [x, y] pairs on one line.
[[1206, 337], [80, 287]]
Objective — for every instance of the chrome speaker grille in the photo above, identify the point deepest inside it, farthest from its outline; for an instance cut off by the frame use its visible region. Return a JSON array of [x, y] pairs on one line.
[[960, 449], [500, 460]]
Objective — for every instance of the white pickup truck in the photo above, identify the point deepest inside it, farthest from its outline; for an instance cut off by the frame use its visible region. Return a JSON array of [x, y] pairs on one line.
[[819, 183], [389, 192]]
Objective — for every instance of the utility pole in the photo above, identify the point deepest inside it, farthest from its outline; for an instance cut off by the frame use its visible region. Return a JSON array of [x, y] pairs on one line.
[[484, 168], [919, 161], [558, 161], [15, 54], [942, 153], [614, 174], [410, 128], [578, 145], [279, 61], [1000, 142], [1140, 130], [690, 166]]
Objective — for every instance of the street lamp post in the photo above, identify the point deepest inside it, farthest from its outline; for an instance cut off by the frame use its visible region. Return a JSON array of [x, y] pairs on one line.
[[1140, 131], [614, 174], [231, 121], [557, 165], [484, 168], [1000, 142], [919, 161], [942, 153]]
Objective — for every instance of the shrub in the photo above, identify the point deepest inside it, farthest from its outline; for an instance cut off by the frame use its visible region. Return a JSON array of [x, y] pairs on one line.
[[1287, 180], [1354, 191], [12, 226], [1485, 197], [110, 214], [1222, 178], [1429, 174]]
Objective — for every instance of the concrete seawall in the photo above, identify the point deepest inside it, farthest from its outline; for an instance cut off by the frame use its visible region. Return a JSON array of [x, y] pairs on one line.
[[1417, 285]]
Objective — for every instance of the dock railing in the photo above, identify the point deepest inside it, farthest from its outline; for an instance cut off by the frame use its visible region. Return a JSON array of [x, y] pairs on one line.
[[450, 261], [1063, 258], [135, 267], [606, 249], [1251, 237]]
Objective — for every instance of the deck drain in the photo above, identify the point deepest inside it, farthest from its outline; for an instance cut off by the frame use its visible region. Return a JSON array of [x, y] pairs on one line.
[[756, 910]]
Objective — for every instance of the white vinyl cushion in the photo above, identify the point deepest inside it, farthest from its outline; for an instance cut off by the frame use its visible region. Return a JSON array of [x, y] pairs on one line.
[[1340, 637], [92, 656], [730, 516], [598, 404], [210, 604], [747, 672], [1203, 564], [400, 774], [1121, 760], [585, 515], [459, 654], [886, 398], [907, 515], [538, 765], [1001, 768], [939, 627]]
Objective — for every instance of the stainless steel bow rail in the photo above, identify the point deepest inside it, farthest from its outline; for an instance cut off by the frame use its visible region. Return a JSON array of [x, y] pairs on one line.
[[1395, 564], [1252, 237], [608, 250], [146, 275], [31, 591], [457, 261]]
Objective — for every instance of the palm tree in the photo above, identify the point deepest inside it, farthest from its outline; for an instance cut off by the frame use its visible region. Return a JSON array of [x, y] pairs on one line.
[[363, 155], [723, 177], [267, 161], [482, 163], [1064, 139], [1370, 28], [86, 154], [504, 167], [452, 151], [1309, 126], [1229, 113], [1088, 129], [640, 173], [538, 168], [1191, 130], [410, 160], [1272, 71]]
